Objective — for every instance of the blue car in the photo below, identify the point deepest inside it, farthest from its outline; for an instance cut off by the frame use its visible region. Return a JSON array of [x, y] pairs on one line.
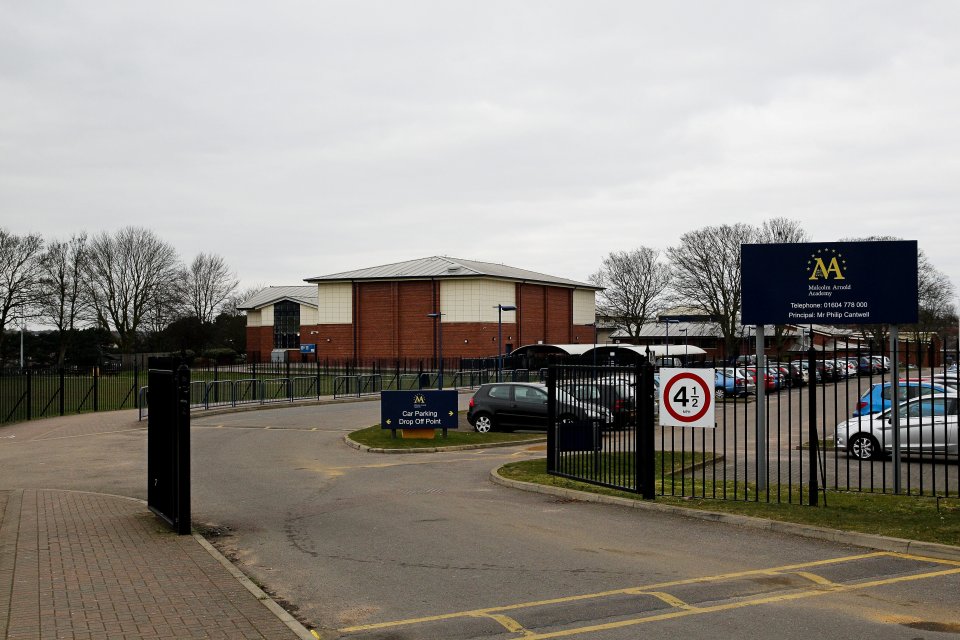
[[879, 397], [727, 383]]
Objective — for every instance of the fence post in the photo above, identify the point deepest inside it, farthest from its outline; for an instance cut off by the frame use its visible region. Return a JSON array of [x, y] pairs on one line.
[[96, 389], [813, 434], [289, 381], [29, 394], [136, 383], [316, 362], [646, 423], [62, 384], [216, 378], [552, 420]]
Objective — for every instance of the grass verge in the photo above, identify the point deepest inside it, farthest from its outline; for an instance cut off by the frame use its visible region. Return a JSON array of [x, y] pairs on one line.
[[382, 439], [911, 517]]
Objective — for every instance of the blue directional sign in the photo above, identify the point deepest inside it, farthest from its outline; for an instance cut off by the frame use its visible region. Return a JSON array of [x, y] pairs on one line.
[[418, 409], [830, 283]]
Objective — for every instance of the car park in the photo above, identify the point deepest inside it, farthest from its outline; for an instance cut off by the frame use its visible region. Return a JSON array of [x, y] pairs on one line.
[[927, 426], [524, 405], [879, 396]]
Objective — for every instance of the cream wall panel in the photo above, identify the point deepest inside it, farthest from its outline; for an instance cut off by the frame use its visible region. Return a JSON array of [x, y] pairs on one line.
[[253, 318], [474, 300], [335, 303], [266, 316], [308, 314], [584, 306]]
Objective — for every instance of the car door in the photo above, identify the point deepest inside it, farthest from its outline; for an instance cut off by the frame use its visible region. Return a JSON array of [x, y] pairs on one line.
[[500, 403], [923, 425], [530, 407]]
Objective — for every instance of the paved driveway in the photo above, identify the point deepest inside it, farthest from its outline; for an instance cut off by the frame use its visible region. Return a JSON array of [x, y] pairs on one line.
[[423, 546]]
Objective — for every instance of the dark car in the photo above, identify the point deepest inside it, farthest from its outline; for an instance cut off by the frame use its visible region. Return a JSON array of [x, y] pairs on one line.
[[616, 395], [506, 406]]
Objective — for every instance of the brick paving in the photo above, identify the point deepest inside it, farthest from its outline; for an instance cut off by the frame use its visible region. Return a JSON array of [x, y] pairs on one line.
[[85, 565]]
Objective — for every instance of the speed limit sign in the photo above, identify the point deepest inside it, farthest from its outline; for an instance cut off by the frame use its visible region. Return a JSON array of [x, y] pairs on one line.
[[686, 398]]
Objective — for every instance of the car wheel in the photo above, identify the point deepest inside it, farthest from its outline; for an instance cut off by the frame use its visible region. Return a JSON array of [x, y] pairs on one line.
[[863, 447], [719, 393], [483, 423]]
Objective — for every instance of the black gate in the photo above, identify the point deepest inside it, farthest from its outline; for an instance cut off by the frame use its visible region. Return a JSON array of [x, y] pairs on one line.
[[168, 446], [601, 426]]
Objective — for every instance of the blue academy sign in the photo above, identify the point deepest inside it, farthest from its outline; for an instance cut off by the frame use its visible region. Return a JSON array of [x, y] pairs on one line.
[[418, 409], [308, 348], [830, 283]]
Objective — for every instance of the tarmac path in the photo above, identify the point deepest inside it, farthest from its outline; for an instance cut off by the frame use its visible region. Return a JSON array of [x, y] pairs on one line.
[[365, 545]]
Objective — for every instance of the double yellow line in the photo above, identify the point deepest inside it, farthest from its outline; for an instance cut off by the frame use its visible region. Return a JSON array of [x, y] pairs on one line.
[[819, 586]]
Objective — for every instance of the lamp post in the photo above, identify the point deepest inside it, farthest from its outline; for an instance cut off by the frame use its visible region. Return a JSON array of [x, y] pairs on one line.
[[686, 353], [500, 309], [669, 322], [438, 348]]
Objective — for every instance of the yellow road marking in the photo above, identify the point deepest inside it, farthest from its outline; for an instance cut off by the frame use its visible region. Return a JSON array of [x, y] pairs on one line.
[[673, 601], [737, 605], [509, 624], [819, 580], [659, 587]]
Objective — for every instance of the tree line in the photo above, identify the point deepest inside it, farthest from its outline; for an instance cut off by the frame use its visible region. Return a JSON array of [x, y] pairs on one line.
[[129, 286], [702, 273]]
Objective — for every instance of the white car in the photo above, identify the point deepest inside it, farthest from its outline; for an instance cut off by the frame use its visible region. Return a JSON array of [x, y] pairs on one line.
[[928, 426]]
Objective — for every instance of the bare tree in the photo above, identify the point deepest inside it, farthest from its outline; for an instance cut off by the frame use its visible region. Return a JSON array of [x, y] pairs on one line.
[[19, 276], [634, 283], [129, 276], [782, 231], [210, 283], [239, 297], [706, 274], [63, 298]]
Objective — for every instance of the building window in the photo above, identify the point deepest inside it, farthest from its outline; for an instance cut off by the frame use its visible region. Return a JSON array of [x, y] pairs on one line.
[[286, 325]]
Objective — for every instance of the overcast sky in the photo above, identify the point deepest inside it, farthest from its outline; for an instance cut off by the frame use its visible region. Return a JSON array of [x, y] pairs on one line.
[[303, 138]]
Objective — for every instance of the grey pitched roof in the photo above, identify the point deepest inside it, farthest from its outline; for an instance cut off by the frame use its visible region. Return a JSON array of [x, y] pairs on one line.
[[304, 294], [444, 267]]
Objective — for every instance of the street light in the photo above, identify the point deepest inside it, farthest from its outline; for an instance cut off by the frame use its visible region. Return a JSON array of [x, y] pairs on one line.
[[686, 353], [500, 309], [438, 348], [669, 322]]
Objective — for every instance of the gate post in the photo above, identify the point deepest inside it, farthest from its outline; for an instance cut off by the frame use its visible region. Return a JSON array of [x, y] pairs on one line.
[[646, 424], [813, 434], [551, 419]]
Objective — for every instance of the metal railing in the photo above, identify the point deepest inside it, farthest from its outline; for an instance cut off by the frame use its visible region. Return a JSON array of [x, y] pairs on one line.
[[838, 433]]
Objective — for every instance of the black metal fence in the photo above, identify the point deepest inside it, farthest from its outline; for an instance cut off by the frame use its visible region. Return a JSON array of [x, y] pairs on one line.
[[853, 425], [32, 394]]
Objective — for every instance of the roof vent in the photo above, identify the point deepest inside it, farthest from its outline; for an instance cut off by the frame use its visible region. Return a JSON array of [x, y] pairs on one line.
[[453, 268]]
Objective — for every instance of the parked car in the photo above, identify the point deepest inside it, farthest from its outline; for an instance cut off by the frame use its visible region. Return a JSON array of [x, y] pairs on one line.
[[879, 396], [523, 405], [618, 396], [728, 384], [867, 366], [928, 426], [805, 367]]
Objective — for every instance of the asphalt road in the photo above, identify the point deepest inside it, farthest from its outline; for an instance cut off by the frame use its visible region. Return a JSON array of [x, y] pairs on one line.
[[423, 546]]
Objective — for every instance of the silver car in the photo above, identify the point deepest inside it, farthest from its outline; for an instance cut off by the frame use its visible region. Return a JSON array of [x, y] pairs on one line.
[[928, 426]]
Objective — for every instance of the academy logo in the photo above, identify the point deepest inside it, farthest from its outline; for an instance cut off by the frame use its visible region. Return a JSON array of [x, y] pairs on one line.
[[826, 264], [419, 399]]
